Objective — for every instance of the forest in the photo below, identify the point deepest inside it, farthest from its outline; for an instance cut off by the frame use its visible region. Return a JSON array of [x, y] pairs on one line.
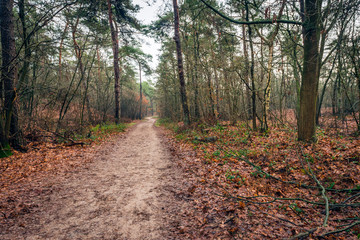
[[64, 69], [260, 99]]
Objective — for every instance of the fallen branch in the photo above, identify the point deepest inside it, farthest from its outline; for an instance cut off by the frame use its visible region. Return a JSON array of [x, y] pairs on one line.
[[75, 143], [303, 234], [323, 193], [268, 175], [341, 230], [206, 139], [282, 219]]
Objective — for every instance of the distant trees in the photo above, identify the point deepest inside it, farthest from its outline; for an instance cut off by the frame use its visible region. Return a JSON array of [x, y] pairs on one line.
[[270, 61], [56, 74]]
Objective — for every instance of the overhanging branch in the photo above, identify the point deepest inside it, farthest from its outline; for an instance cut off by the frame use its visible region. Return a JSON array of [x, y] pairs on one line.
[[263, 21]]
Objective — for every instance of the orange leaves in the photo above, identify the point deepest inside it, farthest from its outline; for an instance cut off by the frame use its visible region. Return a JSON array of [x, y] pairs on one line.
[[241, 205], [223, 176]]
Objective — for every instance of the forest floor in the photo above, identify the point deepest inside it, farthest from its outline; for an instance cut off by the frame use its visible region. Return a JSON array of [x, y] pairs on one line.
[[127, 188], [204, 182], [266, 185]]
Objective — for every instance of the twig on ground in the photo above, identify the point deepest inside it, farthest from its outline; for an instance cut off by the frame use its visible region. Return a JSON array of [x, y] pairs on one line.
[[303, 234], [282, 219], [323, 193], [268, 175], [341, 230], [351, 197]]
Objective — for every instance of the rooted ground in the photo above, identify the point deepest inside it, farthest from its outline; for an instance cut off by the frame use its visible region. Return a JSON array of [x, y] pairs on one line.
[[128, 191]]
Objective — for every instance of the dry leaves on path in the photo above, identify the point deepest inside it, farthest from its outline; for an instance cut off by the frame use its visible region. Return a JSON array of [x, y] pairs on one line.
[[41, 162]]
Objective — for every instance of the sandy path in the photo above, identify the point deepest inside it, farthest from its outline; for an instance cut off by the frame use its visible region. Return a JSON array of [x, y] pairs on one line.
[[121, 195]]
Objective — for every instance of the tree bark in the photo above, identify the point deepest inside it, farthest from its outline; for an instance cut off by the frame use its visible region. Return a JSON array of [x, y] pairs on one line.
[[246, 58], [23, 76], [267, 91], [8, 73], [115, 48], [195, 76], [310, 80], [252, 64], [140, 115], [180, 65]]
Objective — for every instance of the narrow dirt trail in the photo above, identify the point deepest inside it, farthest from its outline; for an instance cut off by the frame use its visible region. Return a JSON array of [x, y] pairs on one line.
[[124, 194]]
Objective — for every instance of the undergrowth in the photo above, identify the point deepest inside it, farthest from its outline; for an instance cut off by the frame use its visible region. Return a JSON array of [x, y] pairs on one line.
[[272, 174], [101, 131], [92, 133]]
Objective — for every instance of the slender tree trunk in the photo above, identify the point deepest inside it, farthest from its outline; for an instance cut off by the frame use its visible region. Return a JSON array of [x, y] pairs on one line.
[[140, 116], [282, 88], [310, 80], [33, 91], [23, 76], [180, 65], [212, 98], [8, 73], [79, 53], [321, 97], [60, 74], [297, 82], [196, 77], [355, 61], [85, 101], [68, 98], [358, 83], [60, 50], [252, 65], [246, 56], [334, 96], [267, 91], [115, 48]]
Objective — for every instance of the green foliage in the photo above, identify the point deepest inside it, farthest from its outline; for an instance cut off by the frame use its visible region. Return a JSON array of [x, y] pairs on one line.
[[5, 151], [295, 208], [163, 122], [309, 158], [180, 136], [108, 128], [242, 152], [257, 174], [235, 176], [219, 127], [217, 153]]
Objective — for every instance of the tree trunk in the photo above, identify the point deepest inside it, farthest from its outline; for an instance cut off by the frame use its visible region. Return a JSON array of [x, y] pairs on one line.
[[180, 65], [115, 48], [8, 73], [23, 76], [79, 54], [321, 97], [267, 91], [252, 65], [246, 58], [140, 116], [310, 80], [195, 76], [358, 83]]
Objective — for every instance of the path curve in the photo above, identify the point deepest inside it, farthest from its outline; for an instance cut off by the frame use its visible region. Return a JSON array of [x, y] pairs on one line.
[[124, 194]]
